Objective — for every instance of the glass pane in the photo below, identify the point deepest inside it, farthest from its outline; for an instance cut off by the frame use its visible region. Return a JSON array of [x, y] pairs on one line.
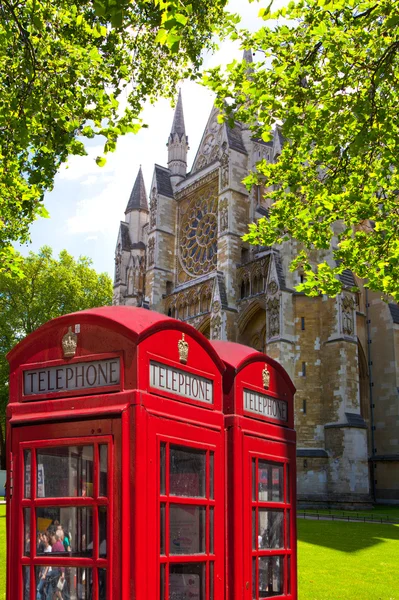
[[211, 476], [64, 583], [26, 582], [103, 488], [270, 482], [211, 581], [65, 529], [162, 583], [254, 544], [287, 484], [271, 578], [27, 531], [254, 586], [162, 529], [271, 529], [65, 471], [162, 468], [187, 581], [211, 532], [102, 585], [186, 529], [287, 525], [254, 479], [187, 472], [28, 467], [102, 531], [288, 574]]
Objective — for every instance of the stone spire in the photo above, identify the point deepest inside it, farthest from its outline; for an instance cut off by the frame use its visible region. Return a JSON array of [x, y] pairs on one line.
[[178, 145], [138, 197], [248, 56]]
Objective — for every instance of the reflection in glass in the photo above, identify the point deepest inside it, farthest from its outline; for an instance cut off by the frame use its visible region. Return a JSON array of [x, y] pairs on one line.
[[102, 531], [27, 478], [254, 544], [270, 482], [26, 582], [64, 471], [27, 531], [254, 581], [186, 529], [254, 479], [211, 475], [102, 585], [162, 528], [271, 580], [70, 527], [287, 484], [70, 582], [271, 529], [187, 472], [162, 468], [187, 580], [162, 582], [211, 581], [103, 488], [211, 532], [287, 517]]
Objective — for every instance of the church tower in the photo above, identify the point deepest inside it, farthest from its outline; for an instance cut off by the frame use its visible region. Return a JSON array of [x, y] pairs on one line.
[[178, 146], [130, 254]]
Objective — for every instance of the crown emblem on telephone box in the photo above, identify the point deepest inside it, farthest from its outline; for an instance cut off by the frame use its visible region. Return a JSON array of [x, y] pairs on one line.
[[69, 343], [266, 377], [182, 346]]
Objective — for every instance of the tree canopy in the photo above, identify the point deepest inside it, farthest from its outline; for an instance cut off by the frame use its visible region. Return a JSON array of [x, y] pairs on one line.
[[72, 69], [328, 74], [49, 288]]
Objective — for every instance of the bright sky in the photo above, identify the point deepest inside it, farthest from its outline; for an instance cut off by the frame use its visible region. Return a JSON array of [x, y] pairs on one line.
[[88, 202]]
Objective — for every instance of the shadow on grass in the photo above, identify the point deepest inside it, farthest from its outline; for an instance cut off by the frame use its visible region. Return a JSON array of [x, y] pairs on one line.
[[346, 537]]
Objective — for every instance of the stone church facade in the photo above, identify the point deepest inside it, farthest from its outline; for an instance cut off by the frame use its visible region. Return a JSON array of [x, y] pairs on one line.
[[179, 251]]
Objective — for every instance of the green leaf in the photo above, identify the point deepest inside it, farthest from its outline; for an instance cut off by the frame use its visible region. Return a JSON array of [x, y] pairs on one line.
[[101, 161]]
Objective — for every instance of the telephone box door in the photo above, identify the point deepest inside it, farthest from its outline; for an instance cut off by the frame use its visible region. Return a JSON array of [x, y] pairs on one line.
[[65, 511], [188, 504], [269, 519]]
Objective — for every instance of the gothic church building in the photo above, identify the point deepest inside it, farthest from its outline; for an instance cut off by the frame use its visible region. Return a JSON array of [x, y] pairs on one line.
[[180, 252]]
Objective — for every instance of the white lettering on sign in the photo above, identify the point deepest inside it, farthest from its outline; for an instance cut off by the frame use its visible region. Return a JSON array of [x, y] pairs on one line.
[[76, 376], [265, 406], [181, 383]]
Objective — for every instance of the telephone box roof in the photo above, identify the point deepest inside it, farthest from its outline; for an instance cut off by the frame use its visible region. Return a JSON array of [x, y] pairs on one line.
[[136, 323], [238, 356]]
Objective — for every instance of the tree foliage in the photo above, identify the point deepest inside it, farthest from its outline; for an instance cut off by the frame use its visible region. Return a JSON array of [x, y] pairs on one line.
[[48, 288], [329, 75], [72, 69]]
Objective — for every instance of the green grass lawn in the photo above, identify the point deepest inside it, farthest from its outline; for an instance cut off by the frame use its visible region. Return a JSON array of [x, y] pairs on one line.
[[336, 560]]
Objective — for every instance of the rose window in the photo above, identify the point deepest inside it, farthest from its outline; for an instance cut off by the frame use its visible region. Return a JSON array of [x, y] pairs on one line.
[[198, 236]]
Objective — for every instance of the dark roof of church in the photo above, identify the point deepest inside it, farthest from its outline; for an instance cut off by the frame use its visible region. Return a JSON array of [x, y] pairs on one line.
[[125, 236], [347, 279], [234, 137], [178, 120], [280, 136], [138, 197], [164, 186], [394, 310]]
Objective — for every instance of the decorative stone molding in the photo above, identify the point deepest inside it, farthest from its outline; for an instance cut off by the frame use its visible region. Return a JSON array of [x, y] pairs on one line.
[[153, 208], [208, 178], [223, 215], [224, 168], [151, 251], [348, 306], [273, 317]]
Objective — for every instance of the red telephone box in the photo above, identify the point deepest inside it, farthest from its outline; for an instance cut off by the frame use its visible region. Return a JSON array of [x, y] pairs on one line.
[[115, 437], [261, 478]]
